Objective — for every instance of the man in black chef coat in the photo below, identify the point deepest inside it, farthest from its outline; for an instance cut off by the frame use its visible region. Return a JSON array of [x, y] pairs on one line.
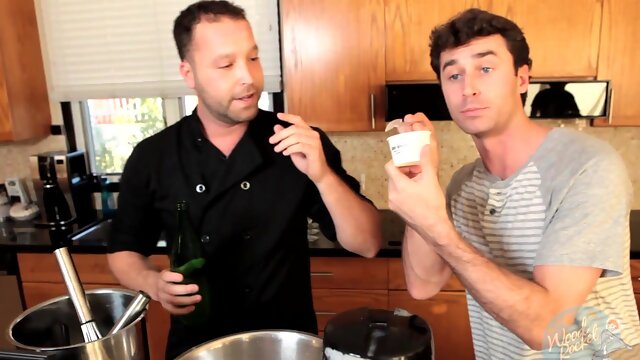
[[251, 178]]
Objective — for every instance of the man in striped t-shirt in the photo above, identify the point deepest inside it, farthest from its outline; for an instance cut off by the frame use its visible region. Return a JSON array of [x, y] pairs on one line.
[[536, 229]]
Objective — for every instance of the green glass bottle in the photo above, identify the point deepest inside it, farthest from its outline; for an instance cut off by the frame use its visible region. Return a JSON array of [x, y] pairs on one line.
[[187, 258]]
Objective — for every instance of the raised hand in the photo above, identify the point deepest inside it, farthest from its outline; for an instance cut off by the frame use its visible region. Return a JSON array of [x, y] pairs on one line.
[[414, 191], [300, 142]]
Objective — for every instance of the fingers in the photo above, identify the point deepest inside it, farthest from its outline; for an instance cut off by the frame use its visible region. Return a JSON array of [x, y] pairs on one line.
[[175, 310], [170, 276], [419, 121], [292, 119], [294, 139], [176, 298], [396, 176]]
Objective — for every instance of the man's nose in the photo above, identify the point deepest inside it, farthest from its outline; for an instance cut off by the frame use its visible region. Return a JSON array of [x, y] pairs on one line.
[[244, 73], [470, 86]]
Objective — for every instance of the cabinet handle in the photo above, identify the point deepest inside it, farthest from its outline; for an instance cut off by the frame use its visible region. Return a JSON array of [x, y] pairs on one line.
[[322, 273], [610, 105], [325, 313], [372, 104]]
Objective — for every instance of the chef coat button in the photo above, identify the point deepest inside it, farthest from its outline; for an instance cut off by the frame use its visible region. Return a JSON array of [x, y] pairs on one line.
[[245, 185], [200, 188], [492, 211], [205, 239], [246, 235], [199, 140]]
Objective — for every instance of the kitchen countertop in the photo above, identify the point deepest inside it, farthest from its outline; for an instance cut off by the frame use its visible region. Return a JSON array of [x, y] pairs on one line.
[[92, 239]]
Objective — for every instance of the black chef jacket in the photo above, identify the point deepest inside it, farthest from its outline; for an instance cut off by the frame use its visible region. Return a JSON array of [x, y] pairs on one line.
[[251, 211]]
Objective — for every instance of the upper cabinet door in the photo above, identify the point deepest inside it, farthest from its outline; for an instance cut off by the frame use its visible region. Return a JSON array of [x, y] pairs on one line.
[[563, 36], [24, 101], [408, 26], [333, 62], [618, 53]]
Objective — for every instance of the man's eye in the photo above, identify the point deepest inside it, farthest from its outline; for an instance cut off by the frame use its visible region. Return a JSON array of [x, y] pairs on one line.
[[255, 58], [454, 77], [487, 69], [226, 66]]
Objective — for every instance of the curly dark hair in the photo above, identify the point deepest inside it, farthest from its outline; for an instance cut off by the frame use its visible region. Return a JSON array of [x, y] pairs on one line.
[[209, 10], [474, 23]]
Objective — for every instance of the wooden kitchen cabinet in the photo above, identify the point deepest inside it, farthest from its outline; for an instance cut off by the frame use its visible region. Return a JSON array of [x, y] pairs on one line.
[[42, 280], [329, 302], [618, 51], [446, 313], [344, 283], [24, 100], [333, 62], [544, 22]]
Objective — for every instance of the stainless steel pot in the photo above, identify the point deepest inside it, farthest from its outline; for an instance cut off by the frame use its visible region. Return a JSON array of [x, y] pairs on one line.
[[52, 327], [263, 345]]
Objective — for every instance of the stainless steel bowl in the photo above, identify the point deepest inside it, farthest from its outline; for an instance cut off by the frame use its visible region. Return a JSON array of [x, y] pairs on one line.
[[263, 345], [53, 328]]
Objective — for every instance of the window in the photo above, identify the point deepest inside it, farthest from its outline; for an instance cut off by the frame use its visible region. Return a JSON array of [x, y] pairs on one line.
[[115, 62], [116, 126], [113, 127]]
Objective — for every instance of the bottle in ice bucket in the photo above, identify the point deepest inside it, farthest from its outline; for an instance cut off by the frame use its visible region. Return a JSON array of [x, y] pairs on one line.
[[188, 259]]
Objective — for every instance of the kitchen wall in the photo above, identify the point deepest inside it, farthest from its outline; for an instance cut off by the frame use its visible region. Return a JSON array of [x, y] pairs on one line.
[[364, 154], [14, 156]]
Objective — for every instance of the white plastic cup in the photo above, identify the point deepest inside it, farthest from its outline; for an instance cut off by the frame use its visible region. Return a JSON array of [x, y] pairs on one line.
[[405, 147]]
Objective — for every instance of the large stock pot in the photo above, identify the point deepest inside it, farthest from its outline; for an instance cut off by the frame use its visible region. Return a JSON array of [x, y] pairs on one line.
[[52, 327], [263, 345]]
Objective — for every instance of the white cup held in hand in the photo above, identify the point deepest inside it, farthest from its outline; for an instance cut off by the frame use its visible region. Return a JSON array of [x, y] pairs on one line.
[[405, 147]]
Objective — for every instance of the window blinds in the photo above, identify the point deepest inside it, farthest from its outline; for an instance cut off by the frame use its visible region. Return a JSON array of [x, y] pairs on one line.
[[123, 48]]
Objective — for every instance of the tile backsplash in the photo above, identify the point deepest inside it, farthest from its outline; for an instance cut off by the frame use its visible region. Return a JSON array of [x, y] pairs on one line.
[[14, 156], [364, 154]]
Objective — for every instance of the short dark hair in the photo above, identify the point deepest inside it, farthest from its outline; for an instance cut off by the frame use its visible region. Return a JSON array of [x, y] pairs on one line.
[[474, 23], [210, 10]]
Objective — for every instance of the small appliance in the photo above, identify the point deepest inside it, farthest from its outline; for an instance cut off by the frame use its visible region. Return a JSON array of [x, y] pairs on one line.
[[63, 189], [22, 208]]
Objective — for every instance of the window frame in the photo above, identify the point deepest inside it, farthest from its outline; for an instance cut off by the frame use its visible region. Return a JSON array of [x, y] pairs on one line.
[[173, 110]]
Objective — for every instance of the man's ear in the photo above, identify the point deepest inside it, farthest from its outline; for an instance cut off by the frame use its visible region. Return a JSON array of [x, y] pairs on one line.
[[523, 78], [186, 72]]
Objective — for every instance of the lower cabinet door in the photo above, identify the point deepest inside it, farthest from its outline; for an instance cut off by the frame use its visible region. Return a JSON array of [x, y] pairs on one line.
[[330, 302], [447, 315]]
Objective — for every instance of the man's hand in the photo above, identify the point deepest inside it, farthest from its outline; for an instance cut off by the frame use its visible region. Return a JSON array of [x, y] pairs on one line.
[[414, 191], [176, 298], [302, 144]]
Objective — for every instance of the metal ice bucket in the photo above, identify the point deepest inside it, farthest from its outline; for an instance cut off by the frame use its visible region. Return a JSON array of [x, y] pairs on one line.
[[263, 345], [52, 327]]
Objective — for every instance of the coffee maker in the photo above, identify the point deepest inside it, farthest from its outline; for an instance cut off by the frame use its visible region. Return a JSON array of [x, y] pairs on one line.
[[63, 189]]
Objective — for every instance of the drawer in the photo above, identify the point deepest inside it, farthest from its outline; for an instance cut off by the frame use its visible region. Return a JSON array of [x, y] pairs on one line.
[[397, 281], [635, 275], [348, 273], [91, 268], [327, 303]]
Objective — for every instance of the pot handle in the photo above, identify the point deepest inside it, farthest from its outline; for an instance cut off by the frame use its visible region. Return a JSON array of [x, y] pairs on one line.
[[137, 306]]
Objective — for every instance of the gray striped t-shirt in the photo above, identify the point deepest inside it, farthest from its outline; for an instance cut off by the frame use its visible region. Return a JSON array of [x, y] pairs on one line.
[[569, 205]]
